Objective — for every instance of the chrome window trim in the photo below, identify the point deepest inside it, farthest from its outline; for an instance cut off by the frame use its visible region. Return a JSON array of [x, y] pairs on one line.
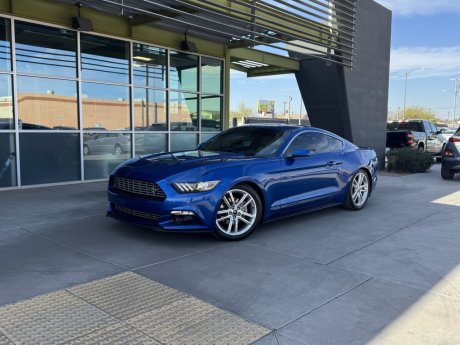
[[311, 131]]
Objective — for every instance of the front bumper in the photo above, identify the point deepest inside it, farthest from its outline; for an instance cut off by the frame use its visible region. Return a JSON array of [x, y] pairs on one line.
[[157, 213]]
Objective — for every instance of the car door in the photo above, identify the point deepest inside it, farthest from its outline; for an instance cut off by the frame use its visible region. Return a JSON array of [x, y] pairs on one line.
[[439, 139], [308, 181], [431, 139]]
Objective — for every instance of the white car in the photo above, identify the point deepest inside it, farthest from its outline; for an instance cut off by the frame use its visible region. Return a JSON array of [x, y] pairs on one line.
[[446, 133]]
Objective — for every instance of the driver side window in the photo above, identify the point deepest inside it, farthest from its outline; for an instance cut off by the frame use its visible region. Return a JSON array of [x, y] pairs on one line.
[[313, 141]]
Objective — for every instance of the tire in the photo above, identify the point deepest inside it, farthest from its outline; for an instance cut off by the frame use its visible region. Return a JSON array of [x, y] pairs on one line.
[[421, 148], [358, 191], [447, 174], [239, 213], [118, 150], [86, 150]]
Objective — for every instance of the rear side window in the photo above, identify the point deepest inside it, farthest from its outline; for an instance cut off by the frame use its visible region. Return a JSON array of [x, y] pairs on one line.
[[313, 141], [411, 126], [458, 132], [334, 144]]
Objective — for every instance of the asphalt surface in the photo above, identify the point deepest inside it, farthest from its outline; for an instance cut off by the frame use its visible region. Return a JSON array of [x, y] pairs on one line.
[[389, 274]]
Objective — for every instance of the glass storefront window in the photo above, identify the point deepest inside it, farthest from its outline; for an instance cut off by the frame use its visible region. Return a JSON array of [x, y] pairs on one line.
[[183, 109], [183, 141], [47, 103], [45, 50], [103, 152], [49, 157], [211, 75], [6, 103], [150, 143], [150, 110], [211, 111], [5, 45], [183, 73], [104, 59], [105, 107], [207, 136], [149, 66], [7, 160]]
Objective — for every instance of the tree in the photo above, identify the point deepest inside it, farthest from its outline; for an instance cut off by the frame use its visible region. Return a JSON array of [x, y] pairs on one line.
[[420, 113], [241, 111]]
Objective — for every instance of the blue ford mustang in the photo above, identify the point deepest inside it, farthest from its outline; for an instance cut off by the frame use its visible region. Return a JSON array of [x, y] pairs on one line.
[[243, 177]]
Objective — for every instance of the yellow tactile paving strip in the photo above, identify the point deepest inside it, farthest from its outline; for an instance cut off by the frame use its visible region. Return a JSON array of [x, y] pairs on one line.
[[122, 309]]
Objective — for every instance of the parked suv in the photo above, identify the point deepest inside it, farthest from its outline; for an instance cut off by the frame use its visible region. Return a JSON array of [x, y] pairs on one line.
[[451, 157], [418, 134]]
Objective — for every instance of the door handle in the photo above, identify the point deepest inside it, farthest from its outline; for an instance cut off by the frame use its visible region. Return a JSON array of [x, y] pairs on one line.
[[333, 164]]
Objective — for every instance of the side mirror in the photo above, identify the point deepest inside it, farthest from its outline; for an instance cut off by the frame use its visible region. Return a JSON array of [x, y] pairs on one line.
[[299, 153]]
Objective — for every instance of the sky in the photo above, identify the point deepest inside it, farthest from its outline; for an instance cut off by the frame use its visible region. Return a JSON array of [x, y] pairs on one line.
[[425, 42]]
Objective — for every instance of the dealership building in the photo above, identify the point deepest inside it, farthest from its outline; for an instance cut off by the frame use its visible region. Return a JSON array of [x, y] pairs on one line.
[[85, 85]]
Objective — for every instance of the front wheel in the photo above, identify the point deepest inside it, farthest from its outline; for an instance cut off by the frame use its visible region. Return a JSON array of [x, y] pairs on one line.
[[358, 192], [239, 213]]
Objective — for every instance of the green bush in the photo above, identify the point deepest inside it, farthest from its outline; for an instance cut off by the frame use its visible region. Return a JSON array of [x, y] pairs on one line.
[[409, 161]]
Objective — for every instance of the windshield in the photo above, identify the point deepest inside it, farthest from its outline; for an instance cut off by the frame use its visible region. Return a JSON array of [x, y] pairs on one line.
[[250, 141]]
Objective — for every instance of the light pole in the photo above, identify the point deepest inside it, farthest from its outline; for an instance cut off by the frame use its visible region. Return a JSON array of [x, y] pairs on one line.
[[289, 109], [455, 98], [405, 88], [455, 93]]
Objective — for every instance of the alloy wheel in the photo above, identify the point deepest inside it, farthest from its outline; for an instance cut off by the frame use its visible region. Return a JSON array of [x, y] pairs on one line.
[[237, 213], [360, 189]]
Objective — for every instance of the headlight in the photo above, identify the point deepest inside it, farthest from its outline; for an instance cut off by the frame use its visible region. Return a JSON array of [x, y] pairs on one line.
[[185, 187]]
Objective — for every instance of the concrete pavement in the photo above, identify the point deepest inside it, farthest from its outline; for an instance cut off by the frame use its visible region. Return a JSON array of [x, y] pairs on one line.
[[384, 275]]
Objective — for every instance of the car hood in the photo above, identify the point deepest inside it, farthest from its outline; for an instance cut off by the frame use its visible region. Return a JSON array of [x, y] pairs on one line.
[[163, 166]]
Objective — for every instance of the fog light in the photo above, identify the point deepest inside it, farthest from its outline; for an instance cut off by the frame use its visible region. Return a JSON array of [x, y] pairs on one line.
[[182, 213], [182, 217]]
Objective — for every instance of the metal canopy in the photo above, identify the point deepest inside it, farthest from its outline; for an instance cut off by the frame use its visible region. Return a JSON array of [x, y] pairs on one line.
[[318, 28]]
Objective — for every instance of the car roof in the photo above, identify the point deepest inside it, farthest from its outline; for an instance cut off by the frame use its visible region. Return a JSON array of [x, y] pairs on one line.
[[273, 125]]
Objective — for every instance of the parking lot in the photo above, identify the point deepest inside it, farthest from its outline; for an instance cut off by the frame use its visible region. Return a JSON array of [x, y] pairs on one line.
[[389, 274]]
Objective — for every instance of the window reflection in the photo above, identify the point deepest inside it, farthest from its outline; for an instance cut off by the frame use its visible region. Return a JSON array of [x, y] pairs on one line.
[[183, 111], [183, 71], [104, 59], [49, 157], [206, 136], [211, 75], [103, 152], [45, 50], [47, 103], [149, 66], [5, 45], [105, 107], [151, 143], [6, 103], [183, 142], [211, 110], [150, 110], [7, 160]]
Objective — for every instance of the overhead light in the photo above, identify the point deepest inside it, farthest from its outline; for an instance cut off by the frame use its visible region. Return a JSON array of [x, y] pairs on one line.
[[188, 46], [80, 23], [142, 58]]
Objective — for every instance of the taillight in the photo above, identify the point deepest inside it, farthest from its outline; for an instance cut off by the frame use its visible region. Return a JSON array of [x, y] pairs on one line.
[[409, 138], [448, 153], [454, 139]]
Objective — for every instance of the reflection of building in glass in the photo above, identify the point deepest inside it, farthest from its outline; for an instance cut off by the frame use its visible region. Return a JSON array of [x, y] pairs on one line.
[[113, 108]]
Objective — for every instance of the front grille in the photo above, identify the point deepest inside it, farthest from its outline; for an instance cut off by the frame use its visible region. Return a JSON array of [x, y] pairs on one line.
[[138, 187], [135, 213]]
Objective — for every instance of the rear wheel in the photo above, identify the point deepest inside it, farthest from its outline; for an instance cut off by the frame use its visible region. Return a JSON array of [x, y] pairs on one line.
[[239, 213], [358, 192], [447, 174]]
